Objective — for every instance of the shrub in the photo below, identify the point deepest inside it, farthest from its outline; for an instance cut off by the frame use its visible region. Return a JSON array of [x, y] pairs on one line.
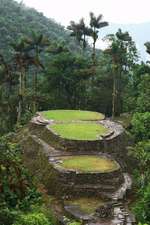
[[75, 223], [141, 126], [143, 102], [141, 152], [32, 219], [7, 216], [142, 206], [142, 224], [16, 187]]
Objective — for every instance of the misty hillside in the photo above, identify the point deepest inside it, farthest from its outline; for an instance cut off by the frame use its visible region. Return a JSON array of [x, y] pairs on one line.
[[139, 32], [17, 20]]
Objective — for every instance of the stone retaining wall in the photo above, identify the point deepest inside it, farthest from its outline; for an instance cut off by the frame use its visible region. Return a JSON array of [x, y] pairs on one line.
[[114, 145], [90, 183], [42, 148]]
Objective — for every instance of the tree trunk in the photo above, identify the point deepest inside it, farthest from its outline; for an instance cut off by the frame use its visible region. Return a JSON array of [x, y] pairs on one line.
[[34, 90], [35, 81], [115, 89], [119, 90], [21, 93], [114, 97], [94, 54], [94, 46], [20, 99]]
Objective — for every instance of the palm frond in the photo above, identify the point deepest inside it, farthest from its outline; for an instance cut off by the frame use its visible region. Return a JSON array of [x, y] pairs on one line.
[[103, 24]]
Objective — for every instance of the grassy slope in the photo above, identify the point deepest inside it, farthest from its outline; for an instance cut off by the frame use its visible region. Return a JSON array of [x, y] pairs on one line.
[[80, 131], [89, 164], [69, 115]]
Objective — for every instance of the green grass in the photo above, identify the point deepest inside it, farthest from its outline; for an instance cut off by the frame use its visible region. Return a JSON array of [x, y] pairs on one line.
[[71, 115], [86, 205], [80, 131], [89, 163]]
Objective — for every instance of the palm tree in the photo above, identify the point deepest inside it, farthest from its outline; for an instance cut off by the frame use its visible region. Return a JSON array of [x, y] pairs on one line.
[[113, 51], [86, 31], [36, 45], [20, 60], [123, 54], [6, 83], [96, 24], [80, 31], [76, 31], [147, 45]]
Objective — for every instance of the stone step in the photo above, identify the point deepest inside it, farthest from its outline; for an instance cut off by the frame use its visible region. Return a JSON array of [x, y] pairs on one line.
[[90, 186], [77, 180], [87, 190], [105, 195]]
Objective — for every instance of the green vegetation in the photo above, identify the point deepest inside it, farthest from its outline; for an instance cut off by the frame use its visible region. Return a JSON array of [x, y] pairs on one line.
[[141, 126], [76, 130], [20, 202], [74, 223], [43, 66], [71, 115], [14, 14], [80, 131], [86, 205], [81, 32], [124, 120], [89, 164], [17, 188], [71, 222], [32, 219], [120, 49], [141, 152]]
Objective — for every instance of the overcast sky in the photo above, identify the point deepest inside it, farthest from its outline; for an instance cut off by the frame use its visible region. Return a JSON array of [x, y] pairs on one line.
[[118, 11]]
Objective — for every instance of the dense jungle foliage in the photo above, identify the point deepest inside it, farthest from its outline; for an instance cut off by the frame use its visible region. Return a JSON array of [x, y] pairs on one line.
[[44, 66]]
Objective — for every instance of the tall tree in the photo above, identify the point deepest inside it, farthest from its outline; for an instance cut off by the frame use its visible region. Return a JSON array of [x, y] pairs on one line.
[[75, 31], [96, 24], [86, 32], [7, 82], [67, 80], [20, 61], [36, 45], [123, 53], [80, 31], [147, 45]]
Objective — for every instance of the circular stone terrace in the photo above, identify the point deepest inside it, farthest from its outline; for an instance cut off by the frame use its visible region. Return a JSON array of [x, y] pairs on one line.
[[82, 149], [86, 175], [71, 115], [86, 164], [76, 130], [76, 124]]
